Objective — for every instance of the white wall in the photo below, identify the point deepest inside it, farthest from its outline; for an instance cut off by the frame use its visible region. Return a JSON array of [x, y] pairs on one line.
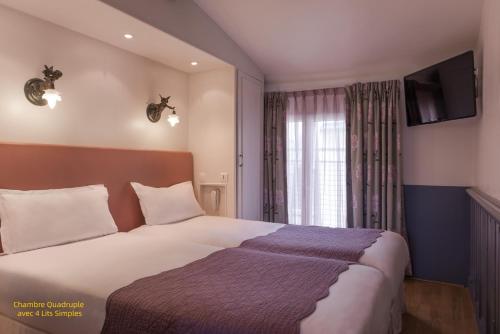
[[212, 132], [188, 22], [105, 90], [488, 148], [442, 154]]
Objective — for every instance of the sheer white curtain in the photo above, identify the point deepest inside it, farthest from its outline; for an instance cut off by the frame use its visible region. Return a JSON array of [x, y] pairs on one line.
[[316, 157]]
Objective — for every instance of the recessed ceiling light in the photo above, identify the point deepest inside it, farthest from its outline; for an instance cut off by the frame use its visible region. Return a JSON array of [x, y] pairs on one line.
[[128, 36], [194, 63]]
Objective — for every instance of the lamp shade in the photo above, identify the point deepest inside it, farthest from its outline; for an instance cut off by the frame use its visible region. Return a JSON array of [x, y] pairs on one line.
[[173, 119], [52, 96]]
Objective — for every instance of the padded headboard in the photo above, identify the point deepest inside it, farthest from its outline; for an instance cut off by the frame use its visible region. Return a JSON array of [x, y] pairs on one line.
[[26, 167]]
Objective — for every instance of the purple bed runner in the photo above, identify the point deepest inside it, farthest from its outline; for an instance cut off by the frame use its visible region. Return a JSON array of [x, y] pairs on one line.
[[347, 244], [234, 290]]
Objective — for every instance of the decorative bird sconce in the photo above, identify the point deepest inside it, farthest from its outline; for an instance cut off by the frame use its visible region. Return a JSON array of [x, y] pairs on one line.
[[41, 92], [154, 111]]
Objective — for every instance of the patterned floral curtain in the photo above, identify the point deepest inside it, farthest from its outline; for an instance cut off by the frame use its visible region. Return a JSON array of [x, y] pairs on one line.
[[375, 193], [275, 194]]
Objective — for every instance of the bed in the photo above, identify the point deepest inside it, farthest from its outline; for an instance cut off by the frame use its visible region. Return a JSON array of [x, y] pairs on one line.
[[90, 270], [389, 254], [361, 301]]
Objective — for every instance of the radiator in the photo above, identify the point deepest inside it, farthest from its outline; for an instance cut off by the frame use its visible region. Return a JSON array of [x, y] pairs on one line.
[[484, 279]]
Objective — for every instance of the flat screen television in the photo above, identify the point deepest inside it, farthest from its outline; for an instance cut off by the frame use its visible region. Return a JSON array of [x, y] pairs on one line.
[[442, 92]]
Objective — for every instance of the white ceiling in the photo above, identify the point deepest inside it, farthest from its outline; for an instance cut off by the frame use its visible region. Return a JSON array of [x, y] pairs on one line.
[[301, 39], [100, 21]]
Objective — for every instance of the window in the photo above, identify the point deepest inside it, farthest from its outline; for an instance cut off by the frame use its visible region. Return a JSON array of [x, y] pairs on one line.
[[316, 168], [294, 171], [331, 173]]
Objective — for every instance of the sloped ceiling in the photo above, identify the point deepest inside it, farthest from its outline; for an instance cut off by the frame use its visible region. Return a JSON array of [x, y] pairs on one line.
[[303, 39], [100, 21]]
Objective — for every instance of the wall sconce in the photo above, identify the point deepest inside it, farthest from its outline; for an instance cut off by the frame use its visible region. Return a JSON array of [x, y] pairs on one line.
[[42, 92], [154, 111]]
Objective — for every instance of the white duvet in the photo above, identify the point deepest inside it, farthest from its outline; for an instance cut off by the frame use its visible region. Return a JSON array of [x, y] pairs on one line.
[[89, 271], [389, 253]]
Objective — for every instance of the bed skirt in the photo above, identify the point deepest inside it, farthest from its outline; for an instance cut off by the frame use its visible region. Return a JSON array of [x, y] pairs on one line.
[[397, 309], [10, 326]]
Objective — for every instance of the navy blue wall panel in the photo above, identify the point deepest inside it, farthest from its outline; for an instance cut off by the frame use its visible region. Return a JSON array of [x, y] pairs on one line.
[[438, 224]]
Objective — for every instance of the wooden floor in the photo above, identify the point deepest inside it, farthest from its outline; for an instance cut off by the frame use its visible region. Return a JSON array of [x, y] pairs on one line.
[[437, 308]]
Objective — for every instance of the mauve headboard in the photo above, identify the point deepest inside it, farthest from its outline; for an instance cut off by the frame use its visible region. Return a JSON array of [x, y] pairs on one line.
[[26, 167]]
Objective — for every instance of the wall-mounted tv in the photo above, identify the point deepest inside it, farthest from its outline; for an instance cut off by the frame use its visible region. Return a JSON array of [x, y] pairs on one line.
[[442, 92]]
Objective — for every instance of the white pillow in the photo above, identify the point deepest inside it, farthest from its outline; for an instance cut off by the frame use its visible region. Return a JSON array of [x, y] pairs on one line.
[[167, 205], [43, 191], [41, 218]]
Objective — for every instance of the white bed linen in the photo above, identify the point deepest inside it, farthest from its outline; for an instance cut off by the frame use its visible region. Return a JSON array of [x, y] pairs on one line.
[[389, 253], [91, 270], [9, 326]]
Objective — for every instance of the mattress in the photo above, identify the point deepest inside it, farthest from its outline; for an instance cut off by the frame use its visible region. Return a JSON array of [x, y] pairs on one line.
[[89, 271], [389, 253]]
